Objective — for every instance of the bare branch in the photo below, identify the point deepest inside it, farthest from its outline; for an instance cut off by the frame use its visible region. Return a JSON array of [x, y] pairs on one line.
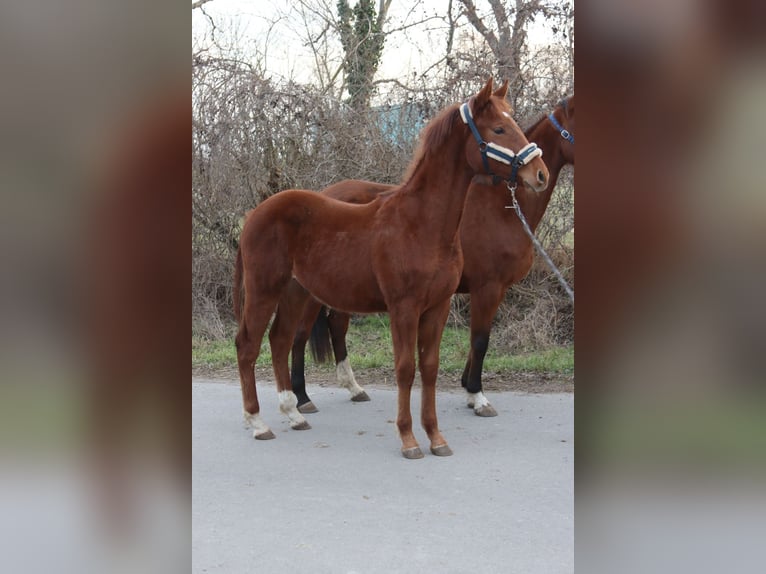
[[199, 4], [415, 24], [396, 83], [383, 12], [476, 22], [451, 33], [501, 17], [425, 72]]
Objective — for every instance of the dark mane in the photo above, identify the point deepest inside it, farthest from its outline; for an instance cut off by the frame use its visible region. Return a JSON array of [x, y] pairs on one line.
[[544, 116], [432, 137], [535, 125]]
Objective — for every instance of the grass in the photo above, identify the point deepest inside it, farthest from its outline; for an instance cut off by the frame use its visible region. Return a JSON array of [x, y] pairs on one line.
[[370, 347]]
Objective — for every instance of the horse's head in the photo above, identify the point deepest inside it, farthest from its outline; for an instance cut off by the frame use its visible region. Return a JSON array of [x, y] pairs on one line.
[[564, 120], [496, 145]]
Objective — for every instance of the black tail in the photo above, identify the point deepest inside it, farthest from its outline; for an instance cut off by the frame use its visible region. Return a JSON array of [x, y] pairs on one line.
[[319, 341]]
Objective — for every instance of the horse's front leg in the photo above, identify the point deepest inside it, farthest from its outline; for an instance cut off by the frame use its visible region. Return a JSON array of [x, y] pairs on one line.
[[404, 322], [430, 332], [484, 304]]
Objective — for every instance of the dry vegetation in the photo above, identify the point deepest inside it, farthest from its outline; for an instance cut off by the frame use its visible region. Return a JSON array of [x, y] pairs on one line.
[[254, 135]]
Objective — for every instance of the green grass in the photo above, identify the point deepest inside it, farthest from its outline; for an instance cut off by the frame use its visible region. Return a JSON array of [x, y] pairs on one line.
[[213, 354], [221, 353], [555, 360], [370, 347]]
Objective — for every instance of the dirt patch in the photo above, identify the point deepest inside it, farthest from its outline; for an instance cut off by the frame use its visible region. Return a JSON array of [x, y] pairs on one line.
[[526, 382]]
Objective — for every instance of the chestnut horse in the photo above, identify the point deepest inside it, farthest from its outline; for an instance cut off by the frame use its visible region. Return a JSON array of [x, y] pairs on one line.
[[399, 253], [497, 253]]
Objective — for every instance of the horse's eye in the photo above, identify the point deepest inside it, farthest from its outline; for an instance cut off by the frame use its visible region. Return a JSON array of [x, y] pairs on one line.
[[499, 130]]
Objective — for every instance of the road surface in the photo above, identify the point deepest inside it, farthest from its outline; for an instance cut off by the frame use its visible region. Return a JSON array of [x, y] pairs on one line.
[[340, 498]]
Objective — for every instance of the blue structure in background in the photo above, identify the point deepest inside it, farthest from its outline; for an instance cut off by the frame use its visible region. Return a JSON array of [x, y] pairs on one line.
[[400, 124]]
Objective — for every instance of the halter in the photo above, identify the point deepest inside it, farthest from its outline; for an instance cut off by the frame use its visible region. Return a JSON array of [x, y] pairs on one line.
[[498, 152], [564, 133]]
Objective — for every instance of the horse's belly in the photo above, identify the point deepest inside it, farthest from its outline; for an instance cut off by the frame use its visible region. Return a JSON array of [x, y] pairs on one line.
[[505, 267], [342, 288]]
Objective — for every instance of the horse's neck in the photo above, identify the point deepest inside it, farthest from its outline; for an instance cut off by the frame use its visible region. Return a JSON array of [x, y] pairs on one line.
[[534, 204], [438, 189]]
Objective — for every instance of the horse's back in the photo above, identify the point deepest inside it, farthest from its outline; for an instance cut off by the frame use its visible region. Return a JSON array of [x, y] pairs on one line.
[[301, 207], [356, 191]]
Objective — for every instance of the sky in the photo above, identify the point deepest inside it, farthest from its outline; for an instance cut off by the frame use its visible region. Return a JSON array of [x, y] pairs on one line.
[[405, 52]]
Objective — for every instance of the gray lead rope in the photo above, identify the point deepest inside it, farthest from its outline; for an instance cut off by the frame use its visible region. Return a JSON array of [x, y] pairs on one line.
[[517, 208]]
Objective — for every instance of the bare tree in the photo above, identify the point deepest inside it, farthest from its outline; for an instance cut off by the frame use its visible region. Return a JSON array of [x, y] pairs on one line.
[[505, 31]]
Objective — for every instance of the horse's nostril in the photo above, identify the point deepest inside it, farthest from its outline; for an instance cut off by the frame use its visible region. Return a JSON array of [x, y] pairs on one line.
[[541, 176]]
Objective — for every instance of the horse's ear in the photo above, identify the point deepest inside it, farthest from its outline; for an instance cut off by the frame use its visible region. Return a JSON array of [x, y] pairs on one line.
[[570, 105], [502, 91], [483, 96]]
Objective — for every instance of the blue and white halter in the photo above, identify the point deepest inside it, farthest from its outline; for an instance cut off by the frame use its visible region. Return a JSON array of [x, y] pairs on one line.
[[564, 133], [498, 152]]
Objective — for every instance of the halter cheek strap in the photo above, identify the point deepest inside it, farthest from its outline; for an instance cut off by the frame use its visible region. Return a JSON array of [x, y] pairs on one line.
[[497, 152], [564, 133]]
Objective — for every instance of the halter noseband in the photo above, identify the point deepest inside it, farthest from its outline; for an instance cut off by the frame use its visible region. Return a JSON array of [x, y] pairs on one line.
[[498, 152], [564, 133]]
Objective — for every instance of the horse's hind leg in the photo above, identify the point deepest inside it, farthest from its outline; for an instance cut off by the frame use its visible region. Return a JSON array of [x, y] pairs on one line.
[[248, 342], [298, 354], [281, 336], [484, 304], [430, 332], [338, 323]]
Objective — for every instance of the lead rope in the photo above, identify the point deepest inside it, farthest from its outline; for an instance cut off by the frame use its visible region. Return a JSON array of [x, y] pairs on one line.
[[517, 208]]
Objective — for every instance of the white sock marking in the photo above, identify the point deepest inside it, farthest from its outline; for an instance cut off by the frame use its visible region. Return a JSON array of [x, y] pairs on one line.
[[346, 378], [477, 400], [255, 422], [288, 404]]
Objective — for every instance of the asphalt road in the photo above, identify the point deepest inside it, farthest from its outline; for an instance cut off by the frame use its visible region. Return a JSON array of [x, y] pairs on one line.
[[340, 498]]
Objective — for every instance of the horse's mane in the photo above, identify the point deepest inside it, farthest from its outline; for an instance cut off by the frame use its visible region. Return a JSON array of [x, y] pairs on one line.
[[535, 125], [432, 137], [544, 116]]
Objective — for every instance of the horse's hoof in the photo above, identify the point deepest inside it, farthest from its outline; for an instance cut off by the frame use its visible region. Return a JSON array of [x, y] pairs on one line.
[[412, 453], [268, 435], [441, 450], [301, 426], [486, 411], [308, 407], [362, 397]]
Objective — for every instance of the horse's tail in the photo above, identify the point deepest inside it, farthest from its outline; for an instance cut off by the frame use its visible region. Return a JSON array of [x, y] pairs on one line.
[[239, 288], [319, 341]]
